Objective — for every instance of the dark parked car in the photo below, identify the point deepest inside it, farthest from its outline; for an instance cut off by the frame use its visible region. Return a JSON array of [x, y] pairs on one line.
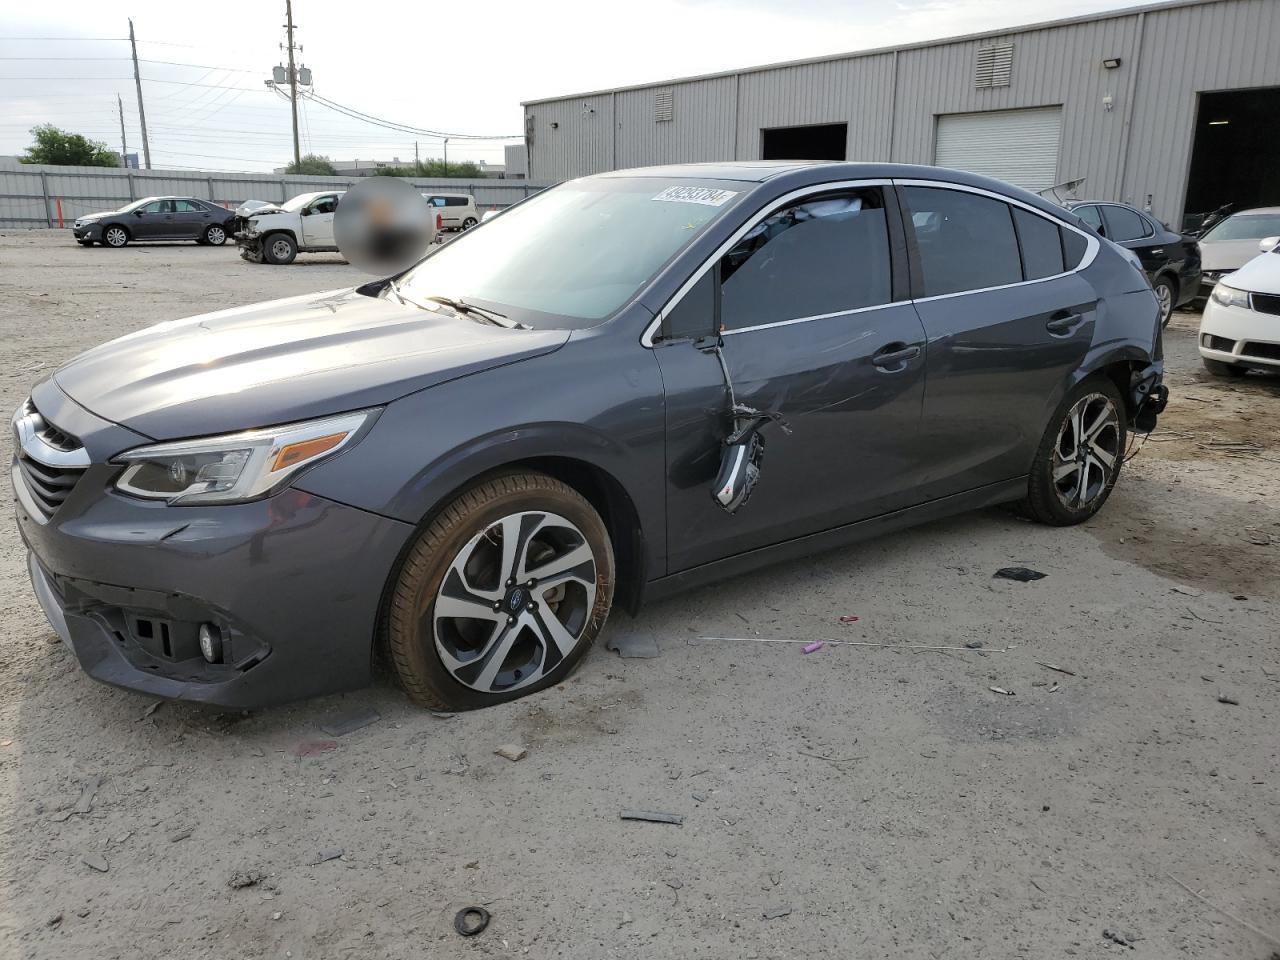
[[156, 218], [1171, 260], [568, 408]]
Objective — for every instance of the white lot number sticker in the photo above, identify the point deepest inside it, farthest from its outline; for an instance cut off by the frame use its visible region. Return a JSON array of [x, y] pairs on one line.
[[704, 195]]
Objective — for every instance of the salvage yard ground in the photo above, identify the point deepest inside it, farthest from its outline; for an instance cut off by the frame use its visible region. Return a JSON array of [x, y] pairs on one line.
[[857, 801]]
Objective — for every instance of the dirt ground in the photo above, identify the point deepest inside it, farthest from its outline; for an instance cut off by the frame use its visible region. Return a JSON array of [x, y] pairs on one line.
[[888, 799]]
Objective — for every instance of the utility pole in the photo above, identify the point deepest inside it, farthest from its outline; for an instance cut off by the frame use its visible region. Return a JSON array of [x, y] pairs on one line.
[[446, 156], [142, 114], [124, 142], [293, 81], [417, 164]]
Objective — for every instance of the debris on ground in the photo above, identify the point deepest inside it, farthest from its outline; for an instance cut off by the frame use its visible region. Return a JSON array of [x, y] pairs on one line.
[[1054, 666], [849, 618], [1223, 698], [633, 645], [1002, 691], [652, 816], [324, 856], [973, 645], [54, 920], [1117, 938], [814, 647], [470, 920], [84, 804], [696, 641], [1020, 574], [180, 835], [151, 708], [246, 878], [775, 912], [95, 861], [341, 724], [512, 752], [309, 748], [1186, 591]]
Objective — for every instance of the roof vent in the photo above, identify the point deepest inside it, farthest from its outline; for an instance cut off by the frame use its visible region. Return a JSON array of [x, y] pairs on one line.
[[994, 66], [663, 108]]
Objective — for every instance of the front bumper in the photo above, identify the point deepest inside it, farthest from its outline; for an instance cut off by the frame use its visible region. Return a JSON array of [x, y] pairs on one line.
[[1240, 336], [292, 584], [88, 231]]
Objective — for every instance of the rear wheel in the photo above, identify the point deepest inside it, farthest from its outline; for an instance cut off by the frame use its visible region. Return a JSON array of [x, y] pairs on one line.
[[1218, 368], [501, 594], [1079, 457], [214, 235], [468, 223], [279, 248], [115, 236], [1167, 294]]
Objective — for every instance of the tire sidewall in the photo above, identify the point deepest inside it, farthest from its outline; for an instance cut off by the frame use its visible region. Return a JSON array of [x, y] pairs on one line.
[[115, 246], [1173, 294], [442, 540], [269, 241], [208, 239], [1043, 500]]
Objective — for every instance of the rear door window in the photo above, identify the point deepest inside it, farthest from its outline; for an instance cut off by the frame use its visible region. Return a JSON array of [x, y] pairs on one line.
[[1040, 244], [1091, 216], [1125, 224], [966, 241], [825, 255]]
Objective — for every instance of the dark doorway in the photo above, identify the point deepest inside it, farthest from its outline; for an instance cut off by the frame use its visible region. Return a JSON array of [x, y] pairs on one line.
[[823, 141], [1233, 155]]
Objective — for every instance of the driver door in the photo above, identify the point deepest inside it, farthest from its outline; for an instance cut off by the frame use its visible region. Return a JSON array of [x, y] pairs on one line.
[[153, 221], [317, 221]]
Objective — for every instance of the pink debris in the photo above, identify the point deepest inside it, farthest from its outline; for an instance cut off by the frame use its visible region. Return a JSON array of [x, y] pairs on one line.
[[309, 748], [849, 619], [814, 647]]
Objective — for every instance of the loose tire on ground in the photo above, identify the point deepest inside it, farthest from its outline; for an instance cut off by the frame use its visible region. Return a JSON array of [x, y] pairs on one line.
[[1054, 493], [1218, 368], [432, 607], [279, 248]]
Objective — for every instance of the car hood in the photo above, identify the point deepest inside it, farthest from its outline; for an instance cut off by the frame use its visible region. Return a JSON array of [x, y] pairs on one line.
[[1226, 254], [1259, 275], [251, 208], [94, 216], [285, 360]]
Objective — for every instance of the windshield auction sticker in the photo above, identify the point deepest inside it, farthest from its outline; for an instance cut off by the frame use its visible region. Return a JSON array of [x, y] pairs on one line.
[[704, 195]]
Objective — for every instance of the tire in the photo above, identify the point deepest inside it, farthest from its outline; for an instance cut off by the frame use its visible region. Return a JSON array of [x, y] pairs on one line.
[[1167, 293], [1218, 368], [279, 248], [452, 653], [215, 235], [115, 236], [468, 223], [1054, 494], [85, 243]]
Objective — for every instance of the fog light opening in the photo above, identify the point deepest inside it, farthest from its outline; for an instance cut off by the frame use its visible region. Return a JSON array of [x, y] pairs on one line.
[[211, 642]]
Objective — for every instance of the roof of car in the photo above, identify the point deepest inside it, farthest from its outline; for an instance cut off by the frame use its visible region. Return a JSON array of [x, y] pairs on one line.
[[1244, 213], [752, 170]]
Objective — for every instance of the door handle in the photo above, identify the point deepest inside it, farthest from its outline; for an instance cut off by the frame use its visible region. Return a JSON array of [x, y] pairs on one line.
[[1062, 325], [894, 354]]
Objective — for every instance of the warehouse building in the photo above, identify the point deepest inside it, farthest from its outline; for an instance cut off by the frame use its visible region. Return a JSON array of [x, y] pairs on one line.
[[1172, 106]]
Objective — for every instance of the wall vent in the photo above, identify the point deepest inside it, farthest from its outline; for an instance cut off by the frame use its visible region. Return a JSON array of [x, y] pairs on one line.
[[994, 66], [663, 105]]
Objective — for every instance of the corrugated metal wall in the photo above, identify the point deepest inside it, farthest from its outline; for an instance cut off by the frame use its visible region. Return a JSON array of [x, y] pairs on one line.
[[891, 100], [30, 193]]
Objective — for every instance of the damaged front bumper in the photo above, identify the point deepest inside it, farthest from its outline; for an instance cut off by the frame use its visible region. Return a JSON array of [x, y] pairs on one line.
[[250, 244]]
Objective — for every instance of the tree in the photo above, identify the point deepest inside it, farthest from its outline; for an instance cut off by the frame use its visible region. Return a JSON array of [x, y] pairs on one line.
[[313, 165], [433, 168], [67, 149]]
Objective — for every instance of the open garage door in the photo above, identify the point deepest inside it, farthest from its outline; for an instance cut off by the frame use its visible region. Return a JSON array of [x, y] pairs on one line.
[[1233, 159], [1017, 146]]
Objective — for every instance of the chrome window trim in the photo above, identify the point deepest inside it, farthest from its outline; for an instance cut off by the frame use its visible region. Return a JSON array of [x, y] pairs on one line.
[[1092, 246], [28, 425], [646, 339]]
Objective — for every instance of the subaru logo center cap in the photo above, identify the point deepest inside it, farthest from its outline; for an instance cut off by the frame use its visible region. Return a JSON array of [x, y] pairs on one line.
[[516, 600]]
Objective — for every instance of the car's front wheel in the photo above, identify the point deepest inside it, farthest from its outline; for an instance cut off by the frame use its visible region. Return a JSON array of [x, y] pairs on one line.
[[1219, 368], [501, 594], [1079, 457], [115, 236], [279, 248]]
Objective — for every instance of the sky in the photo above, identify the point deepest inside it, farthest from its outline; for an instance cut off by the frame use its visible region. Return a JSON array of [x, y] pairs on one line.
[[463, 69]]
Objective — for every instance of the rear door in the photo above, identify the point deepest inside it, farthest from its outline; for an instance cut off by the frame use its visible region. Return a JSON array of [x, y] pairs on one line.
[[816, 331], [1008, 321], [1135, 232], [190, 218]]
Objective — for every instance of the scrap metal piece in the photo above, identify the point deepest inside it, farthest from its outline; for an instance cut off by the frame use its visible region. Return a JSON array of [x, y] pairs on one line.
[[653, 816]]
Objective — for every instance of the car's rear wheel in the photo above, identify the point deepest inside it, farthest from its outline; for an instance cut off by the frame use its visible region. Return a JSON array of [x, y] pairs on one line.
[[279, 248], [215, 235], [501, 594], [468, 223], [1219, 368], [1167, 294], [115, 236], [1079, 457]]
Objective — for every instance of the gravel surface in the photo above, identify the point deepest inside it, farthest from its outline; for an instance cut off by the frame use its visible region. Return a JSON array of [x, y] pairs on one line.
[[854, 801]]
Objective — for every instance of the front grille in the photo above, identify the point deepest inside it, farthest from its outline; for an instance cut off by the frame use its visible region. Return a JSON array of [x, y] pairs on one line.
[[1218, 343], [1264, 351], [1266, 303], [50, 461]]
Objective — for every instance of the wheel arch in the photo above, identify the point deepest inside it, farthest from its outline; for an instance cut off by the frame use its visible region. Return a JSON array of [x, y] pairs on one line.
[[267, 235], [1122, 367]]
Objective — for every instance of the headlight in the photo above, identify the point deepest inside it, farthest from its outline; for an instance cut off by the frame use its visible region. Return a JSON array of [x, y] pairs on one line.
[[235, 467], [1230, 296]]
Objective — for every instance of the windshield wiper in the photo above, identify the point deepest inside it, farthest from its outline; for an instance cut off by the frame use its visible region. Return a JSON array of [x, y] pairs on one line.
[[493, 316]]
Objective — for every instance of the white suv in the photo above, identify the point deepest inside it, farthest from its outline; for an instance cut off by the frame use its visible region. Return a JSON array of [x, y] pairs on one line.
[[457, 210], [301, 225]]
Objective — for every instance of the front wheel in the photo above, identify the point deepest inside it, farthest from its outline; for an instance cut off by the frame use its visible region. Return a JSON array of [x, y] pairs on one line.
[[215, 235], [1079, 457], [279, 248], [501, 594], [115, 237]]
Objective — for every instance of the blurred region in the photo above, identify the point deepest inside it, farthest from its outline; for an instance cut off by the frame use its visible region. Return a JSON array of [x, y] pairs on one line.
[[383, 225]]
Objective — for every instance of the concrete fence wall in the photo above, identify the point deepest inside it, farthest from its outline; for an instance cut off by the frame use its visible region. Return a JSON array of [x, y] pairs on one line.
[[35, 195]]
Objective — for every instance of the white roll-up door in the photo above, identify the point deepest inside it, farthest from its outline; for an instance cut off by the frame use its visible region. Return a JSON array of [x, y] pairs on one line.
[[1017, 146]]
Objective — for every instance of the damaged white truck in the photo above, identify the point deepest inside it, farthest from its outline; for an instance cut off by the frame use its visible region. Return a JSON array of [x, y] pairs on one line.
[[277, 234]]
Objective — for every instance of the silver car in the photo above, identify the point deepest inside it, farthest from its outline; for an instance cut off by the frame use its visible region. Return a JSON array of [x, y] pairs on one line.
[[1232, 243]]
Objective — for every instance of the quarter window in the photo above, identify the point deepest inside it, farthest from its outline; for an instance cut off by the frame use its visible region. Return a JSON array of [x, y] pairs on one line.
[[1124, 224], [1074, 246], [1041, 246], [825, 255], [966, 241]]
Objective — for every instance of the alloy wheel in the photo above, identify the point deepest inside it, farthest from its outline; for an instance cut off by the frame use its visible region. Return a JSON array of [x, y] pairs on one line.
[[216, 235], [1087, 452], [116, 237], [514, 602]]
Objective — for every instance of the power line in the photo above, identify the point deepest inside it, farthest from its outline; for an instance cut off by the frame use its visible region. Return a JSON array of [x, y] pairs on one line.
[[402, 127]]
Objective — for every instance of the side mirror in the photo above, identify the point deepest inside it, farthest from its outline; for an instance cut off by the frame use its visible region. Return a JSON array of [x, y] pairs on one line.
[[1268, 244], [138, 213], [306, 211]]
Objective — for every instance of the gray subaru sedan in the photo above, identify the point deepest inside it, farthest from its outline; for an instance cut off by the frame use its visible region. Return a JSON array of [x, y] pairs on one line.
[[626, 385]]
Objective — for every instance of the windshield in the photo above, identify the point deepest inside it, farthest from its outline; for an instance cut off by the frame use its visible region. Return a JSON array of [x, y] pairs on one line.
[[298, 202], [1246, 226], [134, 204], [573, 255]]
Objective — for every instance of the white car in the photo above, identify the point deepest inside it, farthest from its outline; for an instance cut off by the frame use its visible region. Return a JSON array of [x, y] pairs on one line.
[[301, 225], [1240, 328], [1233, 242], [457, 210]]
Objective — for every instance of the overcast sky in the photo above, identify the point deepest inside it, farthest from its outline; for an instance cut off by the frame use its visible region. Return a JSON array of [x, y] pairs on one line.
[[461, 68]]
